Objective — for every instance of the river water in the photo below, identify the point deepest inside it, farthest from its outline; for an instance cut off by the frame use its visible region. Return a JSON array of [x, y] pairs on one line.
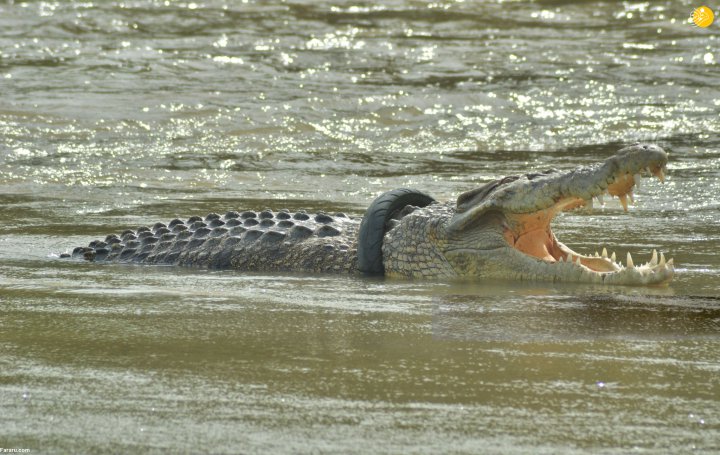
[[122, 113]]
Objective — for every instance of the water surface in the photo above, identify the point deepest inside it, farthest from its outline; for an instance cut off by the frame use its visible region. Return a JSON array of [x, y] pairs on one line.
[[121, 114]]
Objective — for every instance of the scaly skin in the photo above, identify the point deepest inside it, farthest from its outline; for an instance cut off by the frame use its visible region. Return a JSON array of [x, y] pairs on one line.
[[263, 241], [499, 231]]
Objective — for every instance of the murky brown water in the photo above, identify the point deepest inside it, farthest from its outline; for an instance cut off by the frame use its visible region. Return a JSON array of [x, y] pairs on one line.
[[119, 114]]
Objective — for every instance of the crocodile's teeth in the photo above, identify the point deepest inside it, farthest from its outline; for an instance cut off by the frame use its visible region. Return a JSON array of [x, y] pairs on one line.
[[604, 252], [662, 260], [597, 255], [577, 262], [629, 261], [613, 257], [654, 258], [670, 262], [623, 201]]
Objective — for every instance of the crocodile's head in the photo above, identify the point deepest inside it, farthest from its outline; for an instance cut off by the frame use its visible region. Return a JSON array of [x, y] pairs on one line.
[[503, 229]]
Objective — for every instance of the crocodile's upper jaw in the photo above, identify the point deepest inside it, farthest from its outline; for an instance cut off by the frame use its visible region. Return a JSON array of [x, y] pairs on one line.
[[528, 204]]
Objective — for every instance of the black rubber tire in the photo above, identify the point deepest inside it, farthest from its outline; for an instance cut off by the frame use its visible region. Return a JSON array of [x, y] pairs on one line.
[[372, 228]]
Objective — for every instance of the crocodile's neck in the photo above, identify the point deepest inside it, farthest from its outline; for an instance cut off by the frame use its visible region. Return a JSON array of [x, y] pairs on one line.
[[414, 247]]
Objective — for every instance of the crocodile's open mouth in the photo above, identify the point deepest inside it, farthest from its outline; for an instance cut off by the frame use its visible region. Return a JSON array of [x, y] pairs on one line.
[[531, 234]]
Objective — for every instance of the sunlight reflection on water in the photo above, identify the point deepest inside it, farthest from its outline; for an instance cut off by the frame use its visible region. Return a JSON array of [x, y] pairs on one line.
[[121, 114]]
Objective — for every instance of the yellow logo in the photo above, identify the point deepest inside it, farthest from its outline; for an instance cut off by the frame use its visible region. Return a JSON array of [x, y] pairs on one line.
[[703, 16]]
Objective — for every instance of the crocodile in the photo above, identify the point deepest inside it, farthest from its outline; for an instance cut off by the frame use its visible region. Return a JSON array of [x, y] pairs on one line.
[[500, 230]]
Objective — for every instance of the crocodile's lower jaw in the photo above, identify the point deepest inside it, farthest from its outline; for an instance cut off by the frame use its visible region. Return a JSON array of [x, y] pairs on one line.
[[593, 269]]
